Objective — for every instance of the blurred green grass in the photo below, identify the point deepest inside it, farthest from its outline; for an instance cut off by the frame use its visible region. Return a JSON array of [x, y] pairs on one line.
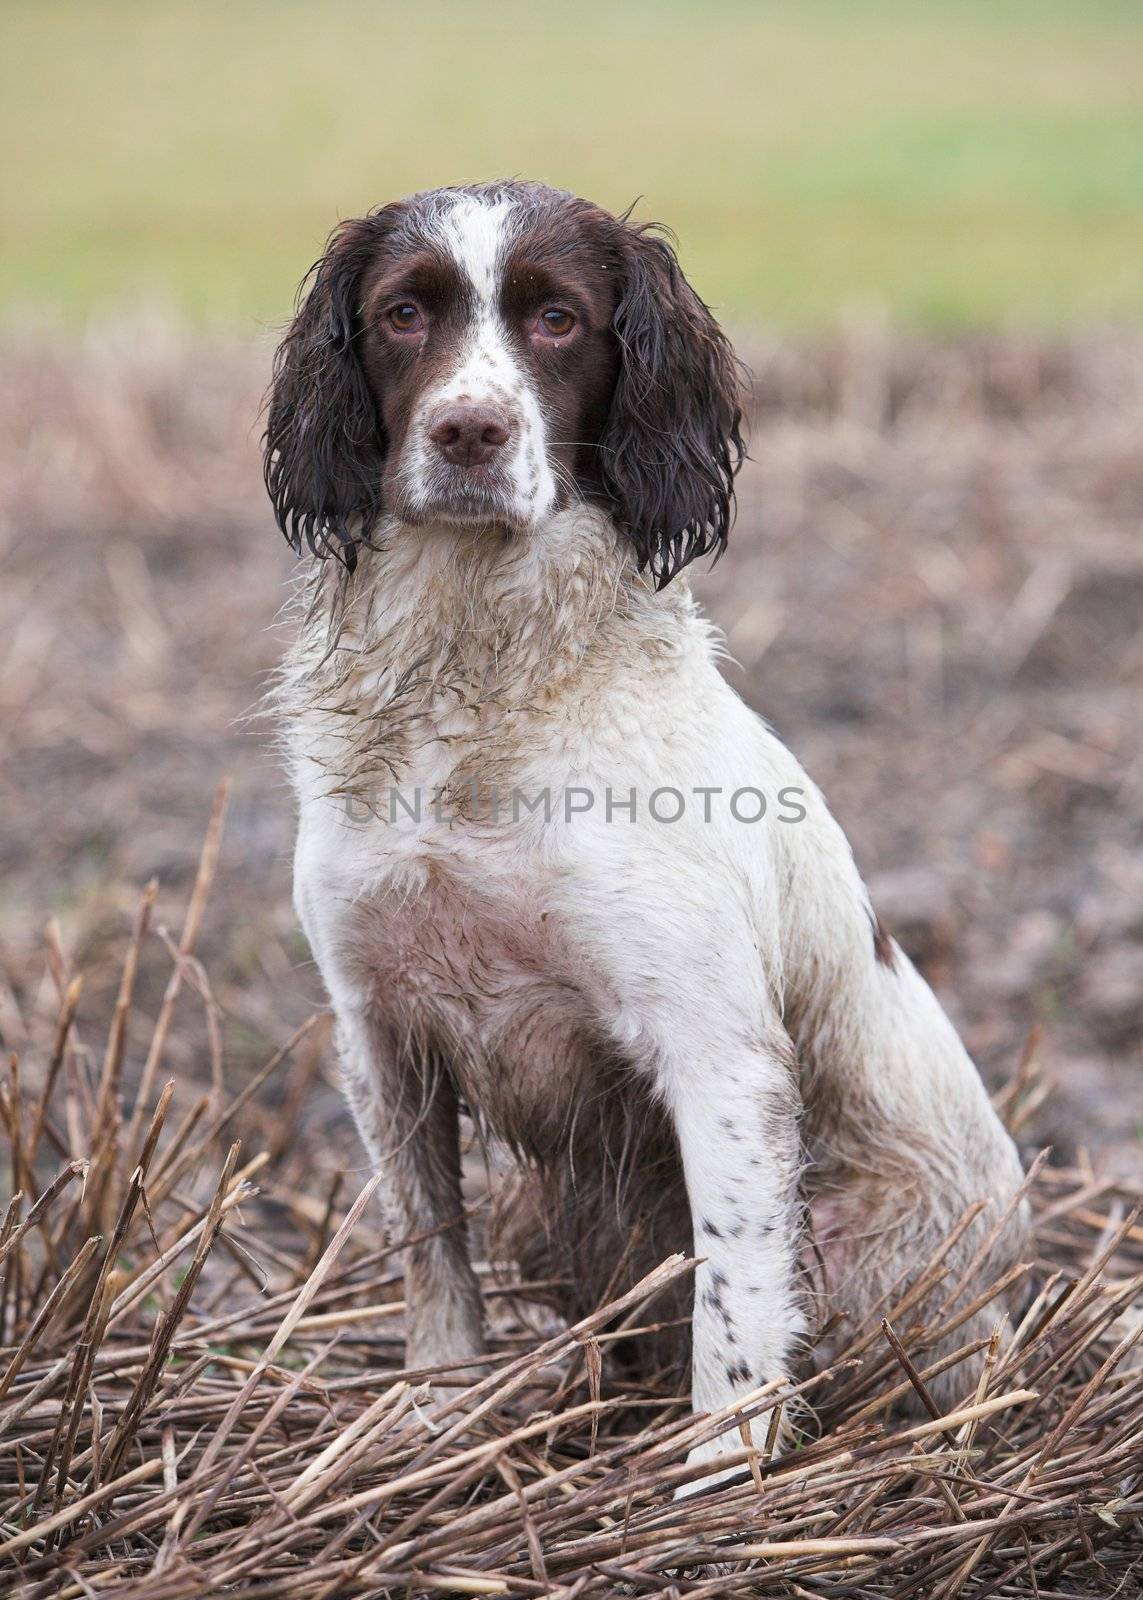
[[971, 162]]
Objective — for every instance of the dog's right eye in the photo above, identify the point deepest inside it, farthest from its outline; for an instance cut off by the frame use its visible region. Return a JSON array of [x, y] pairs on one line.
[[405, 318]]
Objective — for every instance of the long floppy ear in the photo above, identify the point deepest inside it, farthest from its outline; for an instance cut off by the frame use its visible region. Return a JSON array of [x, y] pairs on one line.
[[324, 447], [672, 443]]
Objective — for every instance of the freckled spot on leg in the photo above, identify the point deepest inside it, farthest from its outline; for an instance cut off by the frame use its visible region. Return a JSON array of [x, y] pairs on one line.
[[738, 1372], [711, 1229]]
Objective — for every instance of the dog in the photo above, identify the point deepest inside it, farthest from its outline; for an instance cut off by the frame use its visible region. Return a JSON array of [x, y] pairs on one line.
[[552, 869]]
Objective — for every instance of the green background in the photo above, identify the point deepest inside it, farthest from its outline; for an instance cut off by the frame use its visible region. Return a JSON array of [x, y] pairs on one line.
[[976, 162]]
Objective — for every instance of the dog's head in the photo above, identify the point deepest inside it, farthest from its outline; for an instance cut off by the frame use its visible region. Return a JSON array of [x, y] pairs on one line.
[[489, 355]]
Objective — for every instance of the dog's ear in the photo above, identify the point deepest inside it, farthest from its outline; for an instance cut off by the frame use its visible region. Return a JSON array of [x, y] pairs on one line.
[[672, 443], [324, 447]]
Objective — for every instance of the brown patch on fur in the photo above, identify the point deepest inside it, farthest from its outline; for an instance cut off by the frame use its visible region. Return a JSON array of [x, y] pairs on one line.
[[883, 951]]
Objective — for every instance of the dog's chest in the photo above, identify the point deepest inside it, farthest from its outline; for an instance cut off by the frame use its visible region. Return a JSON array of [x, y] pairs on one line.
[[467, 954]]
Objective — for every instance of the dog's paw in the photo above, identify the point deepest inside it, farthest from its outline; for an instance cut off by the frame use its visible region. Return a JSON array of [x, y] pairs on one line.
[[443, 1369], [737, 1437], [711, 1453]]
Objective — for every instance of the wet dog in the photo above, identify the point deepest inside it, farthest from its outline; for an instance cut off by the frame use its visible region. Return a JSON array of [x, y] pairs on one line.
[[550, 865]]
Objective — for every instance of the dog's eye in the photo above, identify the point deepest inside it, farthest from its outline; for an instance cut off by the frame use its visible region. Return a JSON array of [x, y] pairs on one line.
[[555, 322], [405, 318]]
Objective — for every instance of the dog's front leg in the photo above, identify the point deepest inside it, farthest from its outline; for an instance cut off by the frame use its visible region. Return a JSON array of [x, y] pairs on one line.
[[735, 1113], [405, 1104]]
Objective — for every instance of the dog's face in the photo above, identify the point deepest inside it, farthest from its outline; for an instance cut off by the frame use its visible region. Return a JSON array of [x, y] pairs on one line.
[[487, 345], [487, 356]]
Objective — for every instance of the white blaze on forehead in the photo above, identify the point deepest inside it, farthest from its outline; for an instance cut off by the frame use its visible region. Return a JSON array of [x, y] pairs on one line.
[[477, 232]]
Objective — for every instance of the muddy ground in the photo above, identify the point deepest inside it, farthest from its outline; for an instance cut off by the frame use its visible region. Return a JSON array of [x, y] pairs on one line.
[[933, 593]]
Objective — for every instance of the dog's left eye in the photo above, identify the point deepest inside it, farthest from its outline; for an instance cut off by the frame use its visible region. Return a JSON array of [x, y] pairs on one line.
[[555, 322], [405, 318]]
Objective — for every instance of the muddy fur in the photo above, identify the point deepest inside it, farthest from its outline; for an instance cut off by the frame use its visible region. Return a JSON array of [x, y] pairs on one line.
[[600, 1217]]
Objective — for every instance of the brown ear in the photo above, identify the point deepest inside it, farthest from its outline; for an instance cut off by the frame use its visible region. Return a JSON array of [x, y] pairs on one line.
[[672, 444], [324, 446]]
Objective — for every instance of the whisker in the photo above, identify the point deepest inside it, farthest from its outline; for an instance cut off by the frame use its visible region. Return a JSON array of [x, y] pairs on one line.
[[584, 444]]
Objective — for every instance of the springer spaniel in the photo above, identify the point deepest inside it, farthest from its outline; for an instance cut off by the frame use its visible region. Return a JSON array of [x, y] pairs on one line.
[[550, 865]]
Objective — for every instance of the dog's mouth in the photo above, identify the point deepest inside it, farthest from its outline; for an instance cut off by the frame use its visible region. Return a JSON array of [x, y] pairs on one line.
[[465, 497]]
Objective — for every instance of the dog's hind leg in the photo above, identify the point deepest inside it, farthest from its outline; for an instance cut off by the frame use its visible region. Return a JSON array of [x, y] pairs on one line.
[[903, 1145]]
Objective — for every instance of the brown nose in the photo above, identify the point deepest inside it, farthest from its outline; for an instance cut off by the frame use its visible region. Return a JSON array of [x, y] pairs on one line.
[[469, 435]]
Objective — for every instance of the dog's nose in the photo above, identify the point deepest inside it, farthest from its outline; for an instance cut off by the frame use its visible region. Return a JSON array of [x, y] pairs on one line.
[[470, 435]]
